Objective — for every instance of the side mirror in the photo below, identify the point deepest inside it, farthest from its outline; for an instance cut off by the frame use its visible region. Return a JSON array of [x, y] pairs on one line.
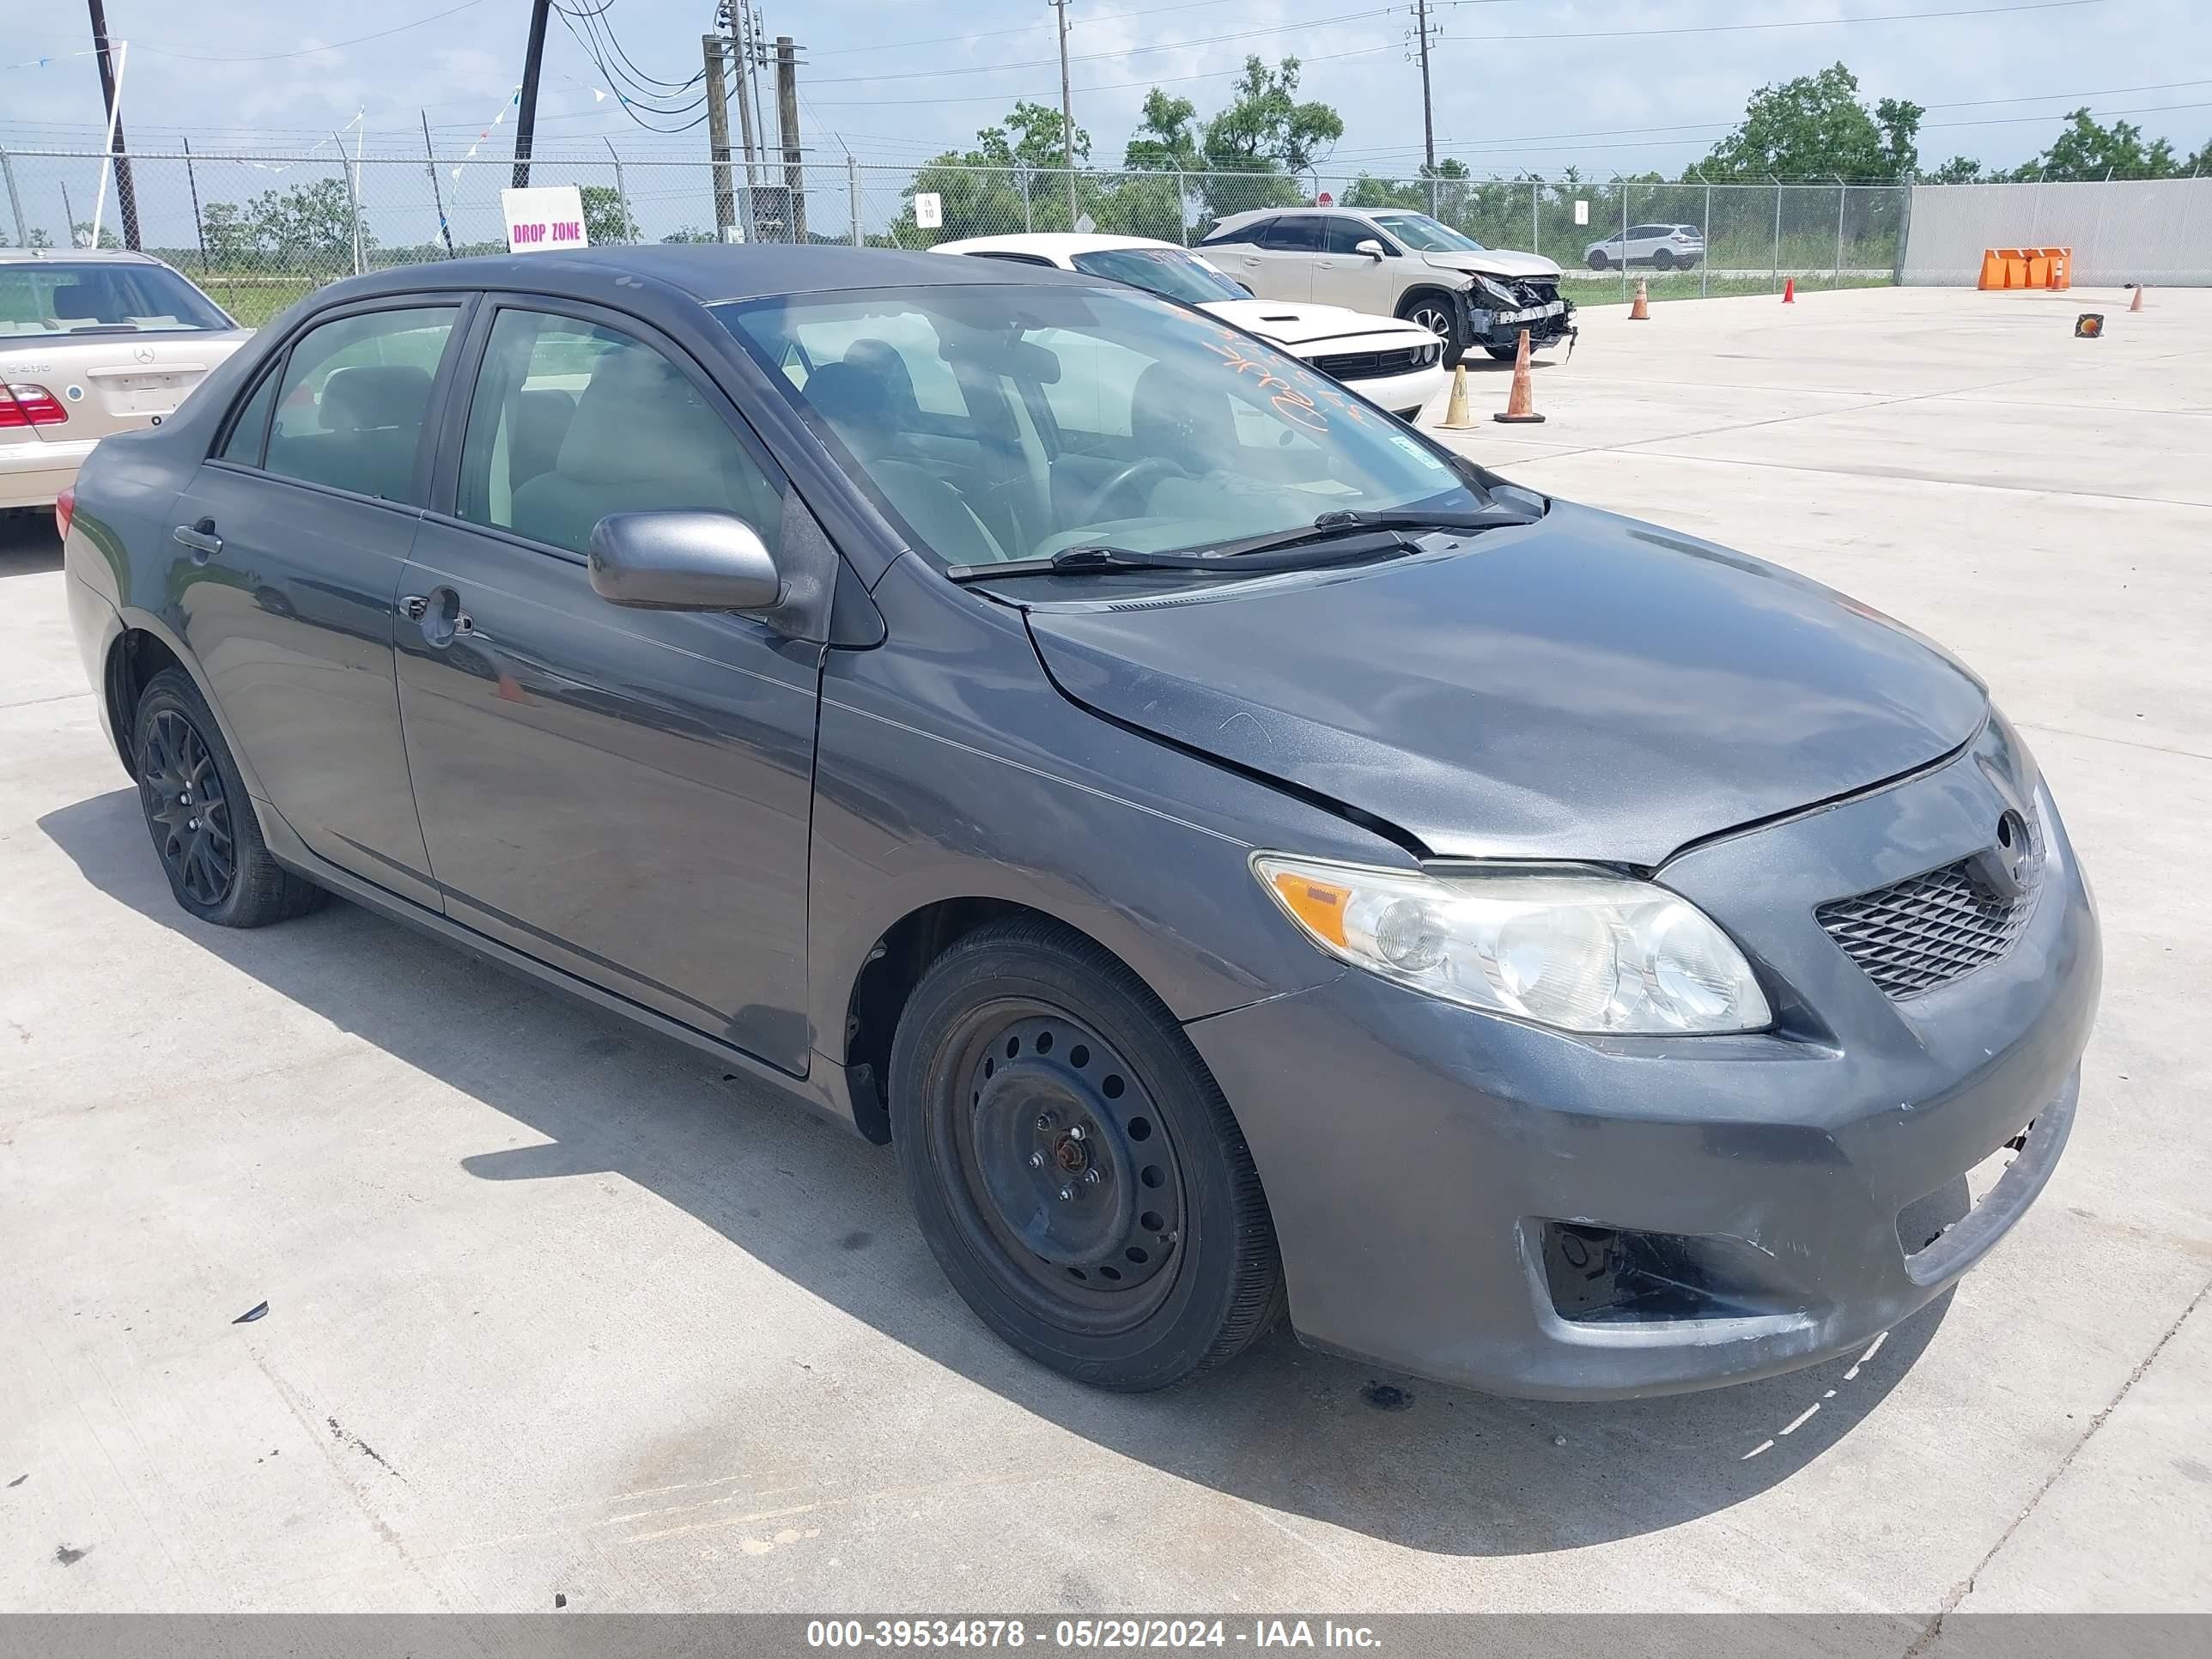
[[683, 561], [1370, 247]]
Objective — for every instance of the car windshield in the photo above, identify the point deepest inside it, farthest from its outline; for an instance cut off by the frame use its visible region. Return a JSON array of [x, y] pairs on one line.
[[1165, 270], [50, 297], [999, 422], [1427, 235]]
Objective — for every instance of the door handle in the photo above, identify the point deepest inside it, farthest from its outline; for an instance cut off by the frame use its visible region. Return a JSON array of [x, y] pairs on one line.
[[440, 613], [201, 539]]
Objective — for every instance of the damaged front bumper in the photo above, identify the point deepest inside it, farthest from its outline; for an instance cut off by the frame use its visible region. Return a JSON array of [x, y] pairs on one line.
[[1530, 1212], [1494, 330]]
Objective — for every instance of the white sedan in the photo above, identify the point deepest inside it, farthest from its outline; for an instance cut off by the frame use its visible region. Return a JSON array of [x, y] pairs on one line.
[[1397, 365]]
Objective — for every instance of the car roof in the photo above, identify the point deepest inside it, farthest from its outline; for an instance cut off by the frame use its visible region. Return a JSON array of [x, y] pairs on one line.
[[708, 273], [70, 256], [1052, 244]]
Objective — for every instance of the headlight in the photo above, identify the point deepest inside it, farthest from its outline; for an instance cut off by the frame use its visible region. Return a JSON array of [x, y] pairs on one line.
[[1567, 947], [1497, 298]]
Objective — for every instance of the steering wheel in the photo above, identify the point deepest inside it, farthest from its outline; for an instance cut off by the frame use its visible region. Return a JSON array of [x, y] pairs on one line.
[[1094, 505]]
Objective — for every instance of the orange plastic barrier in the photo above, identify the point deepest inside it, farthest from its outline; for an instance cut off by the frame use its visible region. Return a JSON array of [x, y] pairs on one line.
[[2027, 267]]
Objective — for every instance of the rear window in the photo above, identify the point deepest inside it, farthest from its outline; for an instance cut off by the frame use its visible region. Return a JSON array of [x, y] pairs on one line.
[[51, 297]]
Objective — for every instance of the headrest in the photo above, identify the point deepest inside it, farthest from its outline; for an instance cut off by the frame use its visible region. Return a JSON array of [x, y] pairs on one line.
[[369, 397], [640, 419], [850, 399], [881, 359]]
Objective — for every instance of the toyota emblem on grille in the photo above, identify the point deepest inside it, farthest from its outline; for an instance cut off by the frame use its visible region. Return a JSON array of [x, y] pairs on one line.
[[2004, 865]]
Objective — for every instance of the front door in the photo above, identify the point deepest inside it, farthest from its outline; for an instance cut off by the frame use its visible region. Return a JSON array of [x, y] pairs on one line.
[[1345, 276], [622, 794], [286, 564]]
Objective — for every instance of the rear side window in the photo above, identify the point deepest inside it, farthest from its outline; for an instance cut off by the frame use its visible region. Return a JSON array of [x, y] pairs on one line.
[[571, 421], [1293, 236], [252, 424], [356, 393], [1247, 233]]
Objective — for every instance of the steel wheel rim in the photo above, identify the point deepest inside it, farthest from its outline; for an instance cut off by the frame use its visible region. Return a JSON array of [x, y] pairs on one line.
[[1023, 1079], [187, 809]]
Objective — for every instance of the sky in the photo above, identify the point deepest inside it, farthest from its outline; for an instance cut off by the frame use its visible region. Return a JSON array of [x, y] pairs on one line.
[[1532, 84]]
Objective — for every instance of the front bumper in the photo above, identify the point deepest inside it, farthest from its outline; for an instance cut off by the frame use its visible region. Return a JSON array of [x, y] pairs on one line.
[[33, 473], [1413, 1151], [1403, 394], [1547, 325]]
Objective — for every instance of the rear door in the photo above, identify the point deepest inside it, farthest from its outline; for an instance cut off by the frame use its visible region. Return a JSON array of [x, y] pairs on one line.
[[1280, 265], [286, 556], [625, 794]]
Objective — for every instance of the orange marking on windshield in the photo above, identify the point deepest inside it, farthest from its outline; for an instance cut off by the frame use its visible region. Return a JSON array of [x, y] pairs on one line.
[[1287, 399]]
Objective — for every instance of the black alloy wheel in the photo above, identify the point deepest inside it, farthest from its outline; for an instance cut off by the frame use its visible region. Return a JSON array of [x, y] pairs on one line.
[[198, 811], [187, 809]]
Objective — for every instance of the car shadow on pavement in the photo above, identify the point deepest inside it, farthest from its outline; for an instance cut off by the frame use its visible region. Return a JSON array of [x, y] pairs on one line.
[[27, 543], [1301, 1432]]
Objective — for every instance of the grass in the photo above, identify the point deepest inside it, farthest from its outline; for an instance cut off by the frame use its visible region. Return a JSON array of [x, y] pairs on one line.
[[1592, 289]]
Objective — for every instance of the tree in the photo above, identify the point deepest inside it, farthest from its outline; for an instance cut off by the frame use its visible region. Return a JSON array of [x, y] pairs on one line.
[[1166, 139], [36, 238], [308, 227], [2085, 150], [229, 238], [1265, 128], [1958, 170], [81, 235], [606, 219], [691, 233], [1815, 127]]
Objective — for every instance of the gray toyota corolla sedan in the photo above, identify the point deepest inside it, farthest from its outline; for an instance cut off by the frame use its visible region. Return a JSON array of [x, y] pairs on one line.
[[1240, 855]]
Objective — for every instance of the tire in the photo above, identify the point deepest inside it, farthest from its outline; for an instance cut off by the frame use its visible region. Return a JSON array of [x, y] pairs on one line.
[[1435, 312], [1597, 259], [1029, 1064], [198, 811], [1663, 260]]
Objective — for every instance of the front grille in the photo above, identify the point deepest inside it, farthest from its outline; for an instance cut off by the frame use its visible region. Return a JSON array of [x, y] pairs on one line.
[[1371, 365], [1927, 930]]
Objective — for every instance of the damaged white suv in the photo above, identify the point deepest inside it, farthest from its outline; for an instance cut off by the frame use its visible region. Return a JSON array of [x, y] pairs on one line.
[[1401, 264]]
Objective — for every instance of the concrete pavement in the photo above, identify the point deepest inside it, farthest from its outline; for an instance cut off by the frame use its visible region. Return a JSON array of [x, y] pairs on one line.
[[554, 1307]]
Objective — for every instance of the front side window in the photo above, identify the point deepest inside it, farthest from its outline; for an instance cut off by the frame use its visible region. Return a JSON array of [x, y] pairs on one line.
[[1165, 270], [1248, 231], [571, 421], [1345, 235], [1427, 235], [99, 296], [1086, 417], [356, 392]]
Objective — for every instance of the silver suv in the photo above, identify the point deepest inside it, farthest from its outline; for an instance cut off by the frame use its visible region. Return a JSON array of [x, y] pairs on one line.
[[1400, 264]]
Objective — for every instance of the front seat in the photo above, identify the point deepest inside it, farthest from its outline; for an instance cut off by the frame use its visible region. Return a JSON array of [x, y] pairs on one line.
[[641, 439]]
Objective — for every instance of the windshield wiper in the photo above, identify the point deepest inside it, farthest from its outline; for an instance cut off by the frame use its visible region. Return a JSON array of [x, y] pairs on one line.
[[1302, 549], [1335, 528]]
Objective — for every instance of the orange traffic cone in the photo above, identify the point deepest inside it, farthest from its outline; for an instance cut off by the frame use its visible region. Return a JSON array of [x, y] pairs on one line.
[[1790, 290], [2136, 304], [1521, 405], [1456, 415], [1641, 310]]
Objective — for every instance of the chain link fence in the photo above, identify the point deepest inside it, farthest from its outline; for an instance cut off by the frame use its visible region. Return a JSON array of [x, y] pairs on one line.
[[257, 231]]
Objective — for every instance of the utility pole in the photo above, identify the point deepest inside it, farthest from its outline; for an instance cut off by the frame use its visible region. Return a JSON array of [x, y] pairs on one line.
[[786, 117], [437, 195], [1428, 120], [756, 67], [712, 48], [736, 22], [126, 197], [1066, 113], [525, 114]]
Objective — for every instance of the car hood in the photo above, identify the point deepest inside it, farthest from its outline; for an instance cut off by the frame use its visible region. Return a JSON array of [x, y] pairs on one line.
[[1497, 262], [1584, 687], [1292, 324]]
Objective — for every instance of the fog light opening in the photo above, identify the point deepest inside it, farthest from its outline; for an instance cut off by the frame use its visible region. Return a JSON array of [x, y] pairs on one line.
[[1617, 1275]]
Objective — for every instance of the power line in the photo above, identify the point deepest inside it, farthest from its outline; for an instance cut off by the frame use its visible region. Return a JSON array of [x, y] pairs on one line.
[[306, 51]]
